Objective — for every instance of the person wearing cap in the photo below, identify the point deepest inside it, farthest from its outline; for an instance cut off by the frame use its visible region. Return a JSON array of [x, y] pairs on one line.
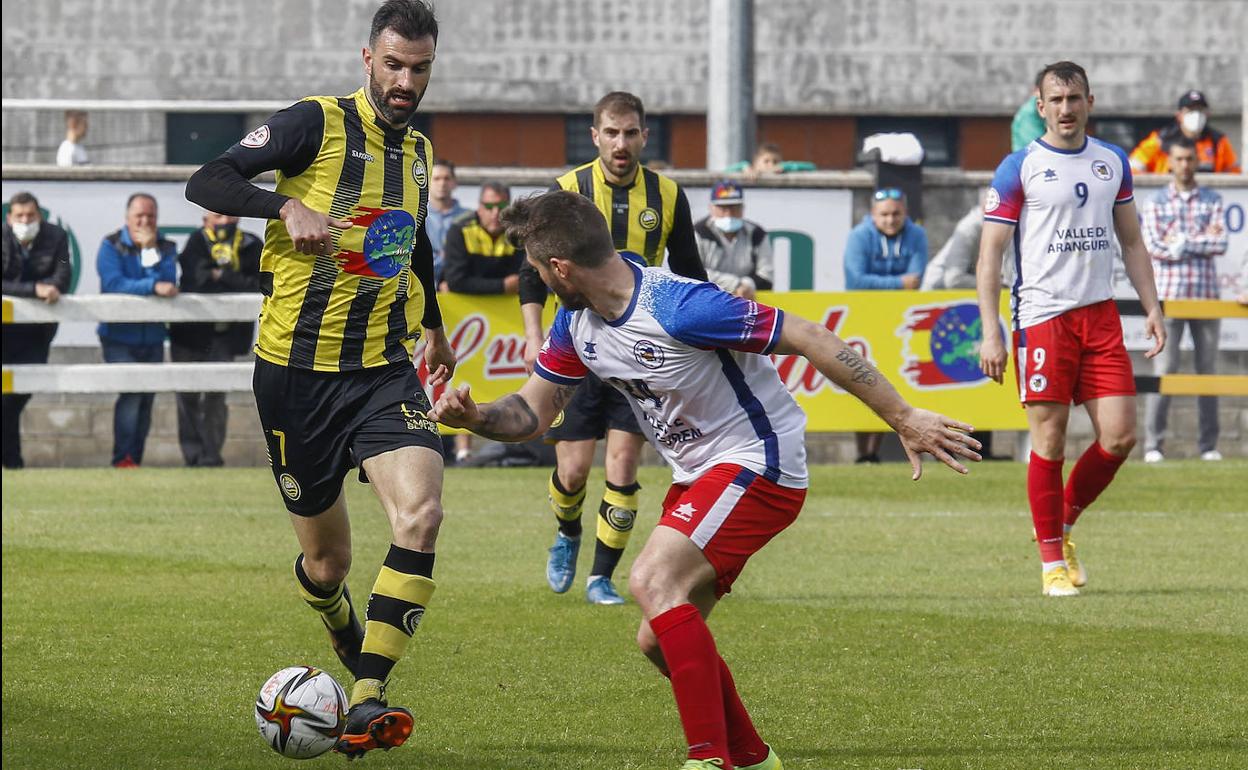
[[887, 250], [735, 251], [1213, 149]]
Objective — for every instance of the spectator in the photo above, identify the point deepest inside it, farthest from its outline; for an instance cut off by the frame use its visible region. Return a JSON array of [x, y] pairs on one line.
[[135, 260], [219, 257], [768, 160], [735, 251], [1184, 234], [887, 250], [36, 264], [71, 152], [444, 208], [1026, 127], [480, 260], [953, 267], [1213, 149]]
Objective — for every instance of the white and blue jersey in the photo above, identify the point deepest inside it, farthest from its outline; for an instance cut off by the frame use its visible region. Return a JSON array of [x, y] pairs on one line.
[[693, 362], [1061, 203]]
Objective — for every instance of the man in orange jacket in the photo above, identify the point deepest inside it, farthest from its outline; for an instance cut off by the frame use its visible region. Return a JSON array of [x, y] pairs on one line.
[[1213, 149]]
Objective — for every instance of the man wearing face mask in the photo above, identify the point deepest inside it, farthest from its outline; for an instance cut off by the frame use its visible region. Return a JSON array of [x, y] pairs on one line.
[[735, 251], [36, 264], [219, 257], [1214, 153], [135, 260]]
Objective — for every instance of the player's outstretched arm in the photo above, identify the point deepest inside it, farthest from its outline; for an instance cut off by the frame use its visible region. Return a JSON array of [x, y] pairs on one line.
[[519, 416], [1140, 270], [992, 353], [918, 429]]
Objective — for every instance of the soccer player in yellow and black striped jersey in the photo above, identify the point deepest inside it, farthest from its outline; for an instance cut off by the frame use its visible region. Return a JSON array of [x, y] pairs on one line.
[[347, 273], [648, 214]]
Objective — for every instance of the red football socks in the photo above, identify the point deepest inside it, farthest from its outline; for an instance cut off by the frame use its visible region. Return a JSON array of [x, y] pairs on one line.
[[1088, 479], [743, 741], [694, 664], [1044, 492]]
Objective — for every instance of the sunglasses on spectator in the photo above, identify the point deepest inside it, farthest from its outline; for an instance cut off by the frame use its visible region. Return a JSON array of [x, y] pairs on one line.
[[499, 206], [889, 193]]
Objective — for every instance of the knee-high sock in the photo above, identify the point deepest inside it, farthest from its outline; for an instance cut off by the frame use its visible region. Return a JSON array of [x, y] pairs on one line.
[[1088, 479], [744, 744], [402, 591], [334, 604], [616, 516], [566, 506], [689, 651], [1044, 492]]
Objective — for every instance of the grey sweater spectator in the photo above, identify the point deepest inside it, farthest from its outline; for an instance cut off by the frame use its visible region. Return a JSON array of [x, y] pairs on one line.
[[735, 251]]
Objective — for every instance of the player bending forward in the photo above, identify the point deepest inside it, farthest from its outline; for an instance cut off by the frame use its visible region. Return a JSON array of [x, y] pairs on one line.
[[692, 360]]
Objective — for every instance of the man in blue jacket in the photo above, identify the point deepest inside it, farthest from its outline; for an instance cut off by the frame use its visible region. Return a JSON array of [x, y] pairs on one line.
[[135, 260], [887, 250]]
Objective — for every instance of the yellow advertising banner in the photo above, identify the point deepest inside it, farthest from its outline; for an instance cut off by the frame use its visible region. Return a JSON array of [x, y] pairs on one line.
[[925, 343]]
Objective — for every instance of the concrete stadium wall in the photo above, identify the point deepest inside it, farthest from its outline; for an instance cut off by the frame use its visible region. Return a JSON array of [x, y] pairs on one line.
[[813, 57]]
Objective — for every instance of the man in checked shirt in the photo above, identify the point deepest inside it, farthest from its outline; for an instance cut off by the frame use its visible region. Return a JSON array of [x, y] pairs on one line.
[[1184, 233]]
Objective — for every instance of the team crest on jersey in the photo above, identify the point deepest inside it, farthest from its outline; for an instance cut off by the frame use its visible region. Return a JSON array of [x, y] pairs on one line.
[[648, 354], [992, 200], [290, 487], [1101, 170], [420, 174], [1038, 383], [257, 138], [648, 219]]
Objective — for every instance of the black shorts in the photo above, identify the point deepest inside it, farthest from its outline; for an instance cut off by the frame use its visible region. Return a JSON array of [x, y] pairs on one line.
[[319, 424], [594, 408]]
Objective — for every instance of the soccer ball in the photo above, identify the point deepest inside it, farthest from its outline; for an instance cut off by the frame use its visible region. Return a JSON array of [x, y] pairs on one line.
[[301, 712]]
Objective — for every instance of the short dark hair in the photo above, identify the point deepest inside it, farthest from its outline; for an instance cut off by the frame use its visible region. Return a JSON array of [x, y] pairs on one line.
[[444, 162], [23, 198], [560, 224], [768, 148], [498, 187], [135, 196], [1180, 141], [618, 103], [1064, 72], [411, 19]]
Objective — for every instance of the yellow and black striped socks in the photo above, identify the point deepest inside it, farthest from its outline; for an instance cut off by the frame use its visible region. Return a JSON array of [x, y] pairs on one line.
[[566, 506], [616, 516], [402, 591], [334, 605]]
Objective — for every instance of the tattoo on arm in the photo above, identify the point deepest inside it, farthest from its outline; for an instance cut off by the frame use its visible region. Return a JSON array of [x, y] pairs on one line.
[[507, 419], [862, 371]]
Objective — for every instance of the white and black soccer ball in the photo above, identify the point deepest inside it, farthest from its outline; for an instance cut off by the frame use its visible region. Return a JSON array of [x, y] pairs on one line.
[[301, 711]]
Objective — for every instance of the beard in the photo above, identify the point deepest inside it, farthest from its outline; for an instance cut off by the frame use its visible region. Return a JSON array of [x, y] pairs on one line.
[[572, 301], [395, 116]]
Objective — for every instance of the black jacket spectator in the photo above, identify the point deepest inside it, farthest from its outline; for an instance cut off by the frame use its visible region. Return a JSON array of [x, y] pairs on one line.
[[202, 274]]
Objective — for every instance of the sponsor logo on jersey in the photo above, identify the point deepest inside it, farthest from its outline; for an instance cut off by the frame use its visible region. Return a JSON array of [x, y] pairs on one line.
[[648, 354], [993, 200], [257, 138], [1050, 175], [1102, 170], [290, 487], [648, 218], [420, 174], [591, 352], [1037, 383], [416, 419], [360, 155]]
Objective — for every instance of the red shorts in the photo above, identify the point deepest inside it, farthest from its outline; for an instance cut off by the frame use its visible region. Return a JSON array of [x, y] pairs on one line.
[[730, 512], [1076, 356]]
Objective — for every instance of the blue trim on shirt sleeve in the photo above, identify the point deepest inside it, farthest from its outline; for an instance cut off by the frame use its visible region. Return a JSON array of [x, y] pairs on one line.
[[558, 379]]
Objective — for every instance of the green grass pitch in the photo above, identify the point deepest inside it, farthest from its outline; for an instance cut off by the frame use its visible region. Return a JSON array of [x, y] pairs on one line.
[[895, 625]]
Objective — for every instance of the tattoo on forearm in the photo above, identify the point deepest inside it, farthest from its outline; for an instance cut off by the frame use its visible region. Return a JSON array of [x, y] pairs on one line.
[[862, 371], [507, 419]]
